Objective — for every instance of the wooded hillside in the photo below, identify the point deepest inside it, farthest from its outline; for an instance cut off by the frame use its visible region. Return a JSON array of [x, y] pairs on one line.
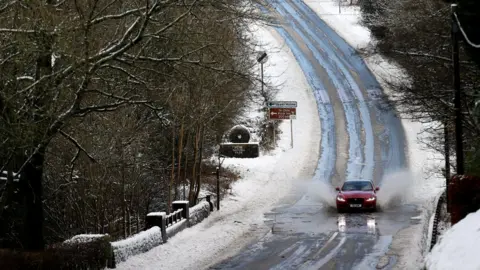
[[416, 34], [107, 107]]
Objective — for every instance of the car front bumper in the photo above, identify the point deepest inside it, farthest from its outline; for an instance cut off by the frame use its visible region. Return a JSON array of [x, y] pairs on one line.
[[365, 205]]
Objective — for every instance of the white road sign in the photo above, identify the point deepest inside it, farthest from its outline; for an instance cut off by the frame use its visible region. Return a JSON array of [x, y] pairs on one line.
[[282, 104]]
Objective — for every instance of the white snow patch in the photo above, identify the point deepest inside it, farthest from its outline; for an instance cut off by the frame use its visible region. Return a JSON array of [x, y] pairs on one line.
[[345, 22], [154, 214], [458, 247], [264, 180], [84, 238]]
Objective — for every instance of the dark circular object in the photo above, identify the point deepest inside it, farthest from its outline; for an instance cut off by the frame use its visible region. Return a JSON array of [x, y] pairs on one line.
[[239, 134]]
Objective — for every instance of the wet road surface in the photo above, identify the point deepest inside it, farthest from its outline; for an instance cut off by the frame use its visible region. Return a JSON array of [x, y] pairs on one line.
[[309, 235]]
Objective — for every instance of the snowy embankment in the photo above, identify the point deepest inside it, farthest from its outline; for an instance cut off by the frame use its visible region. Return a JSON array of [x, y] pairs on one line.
[[264, 180], [410, 244], [458, 247]]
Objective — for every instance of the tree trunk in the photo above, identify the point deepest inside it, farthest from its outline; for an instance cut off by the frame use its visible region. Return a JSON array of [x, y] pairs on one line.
[[33, 191], [199, 173], [185, 170], [191, 192], [180, 151], [123, 198], [7, 193], [172, 175]]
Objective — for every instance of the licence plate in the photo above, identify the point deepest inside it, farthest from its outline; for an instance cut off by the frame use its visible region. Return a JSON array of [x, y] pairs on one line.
[[355, 205]]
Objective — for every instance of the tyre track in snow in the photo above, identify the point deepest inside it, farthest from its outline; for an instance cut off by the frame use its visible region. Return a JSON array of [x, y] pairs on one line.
[[361, 159], [388, 131], [329, 109]]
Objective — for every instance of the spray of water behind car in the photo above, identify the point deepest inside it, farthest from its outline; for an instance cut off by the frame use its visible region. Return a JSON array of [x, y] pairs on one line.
[[396, 188]]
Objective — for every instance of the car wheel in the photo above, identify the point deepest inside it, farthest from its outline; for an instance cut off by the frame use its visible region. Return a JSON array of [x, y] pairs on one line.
[[340, 210]]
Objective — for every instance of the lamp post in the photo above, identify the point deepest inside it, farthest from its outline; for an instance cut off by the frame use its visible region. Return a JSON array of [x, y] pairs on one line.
[[262, 59]]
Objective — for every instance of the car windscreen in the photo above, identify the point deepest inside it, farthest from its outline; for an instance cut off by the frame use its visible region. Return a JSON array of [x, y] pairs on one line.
[[357, 186]]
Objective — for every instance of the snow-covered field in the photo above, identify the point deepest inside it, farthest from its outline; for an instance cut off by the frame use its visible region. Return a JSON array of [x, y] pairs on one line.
[[264, 180], [409, 244]]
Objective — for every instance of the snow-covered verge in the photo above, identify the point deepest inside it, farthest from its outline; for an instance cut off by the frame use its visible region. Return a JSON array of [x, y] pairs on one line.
[[264, 180], [136, 244], [458, 247], [409, 245]]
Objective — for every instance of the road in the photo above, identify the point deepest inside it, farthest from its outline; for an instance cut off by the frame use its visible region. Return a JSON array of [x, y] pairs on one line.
[[361, 138]]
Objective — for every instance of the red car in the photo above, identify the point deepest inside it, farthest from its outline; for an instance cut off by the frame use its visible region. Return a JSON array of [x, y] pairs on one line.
[[357, 194]]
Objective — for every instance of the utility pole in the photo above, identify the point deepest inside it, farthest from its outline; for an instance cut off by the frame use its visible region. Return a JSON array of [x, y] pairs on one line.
[[458, 94]]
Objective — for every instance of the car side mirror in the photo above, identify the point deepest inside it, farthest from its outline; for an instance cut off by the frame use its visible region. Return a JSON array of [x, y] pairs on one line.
[[337, 189], [377, 189]]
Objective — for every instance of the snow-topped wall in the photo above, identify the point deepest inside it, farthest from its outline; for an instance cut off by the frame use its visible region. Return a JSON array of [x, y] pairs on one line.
[[152, 237], [136, 244]]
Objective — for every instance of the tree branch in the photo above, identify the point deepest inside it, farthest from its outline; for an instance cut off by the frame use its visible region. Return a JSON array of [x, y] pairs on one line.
[[427, 55], [77, 144]]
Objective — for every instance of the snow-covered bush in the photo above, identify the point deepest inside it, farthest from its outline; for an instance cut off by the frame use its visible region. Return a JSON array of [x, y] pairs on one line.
[[136, 244], [83, 251], [199, 212]]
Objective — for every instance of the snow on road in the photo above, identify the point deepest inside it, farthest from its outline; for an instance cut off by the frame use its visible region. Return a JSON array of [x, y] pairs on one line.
[[421, 185], [263, 182], [458, 247]]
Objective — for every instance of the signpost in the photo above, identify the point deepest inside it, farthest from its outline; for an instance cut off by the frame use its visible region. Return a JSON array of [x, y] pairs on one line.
[[282, 110], [282, 113]]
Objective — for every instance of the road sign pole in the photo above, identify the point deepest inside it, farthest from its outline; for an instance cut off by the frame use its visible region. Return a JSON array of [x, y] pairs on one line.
[[291, 133], [274, 136]]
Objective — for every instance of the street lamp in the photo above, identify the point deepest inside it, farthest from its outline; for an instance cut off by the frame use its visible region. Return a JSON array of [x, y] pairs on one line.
[[262, 59]]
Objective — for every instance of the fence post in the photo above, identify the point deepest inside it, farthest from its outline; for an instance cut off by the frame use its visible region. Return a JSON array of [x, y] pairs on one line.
[[163, 227], [182, 205], [209, 200], [157, 219]]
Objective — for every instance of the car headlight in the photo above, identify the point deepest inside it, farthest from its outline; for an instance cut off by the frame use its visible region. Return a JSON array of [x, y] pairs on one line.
[[371, 199], [341, 199]]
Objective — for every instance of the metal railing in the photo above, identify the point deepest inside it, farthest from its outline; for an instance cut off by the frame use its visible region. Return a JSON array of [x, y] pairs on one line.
[[173, 217], [436, 219]]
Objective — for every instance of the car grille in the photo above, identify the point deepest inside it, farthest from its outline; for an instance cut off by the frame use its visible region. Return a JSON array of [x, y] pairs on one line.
[[355, 200]]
